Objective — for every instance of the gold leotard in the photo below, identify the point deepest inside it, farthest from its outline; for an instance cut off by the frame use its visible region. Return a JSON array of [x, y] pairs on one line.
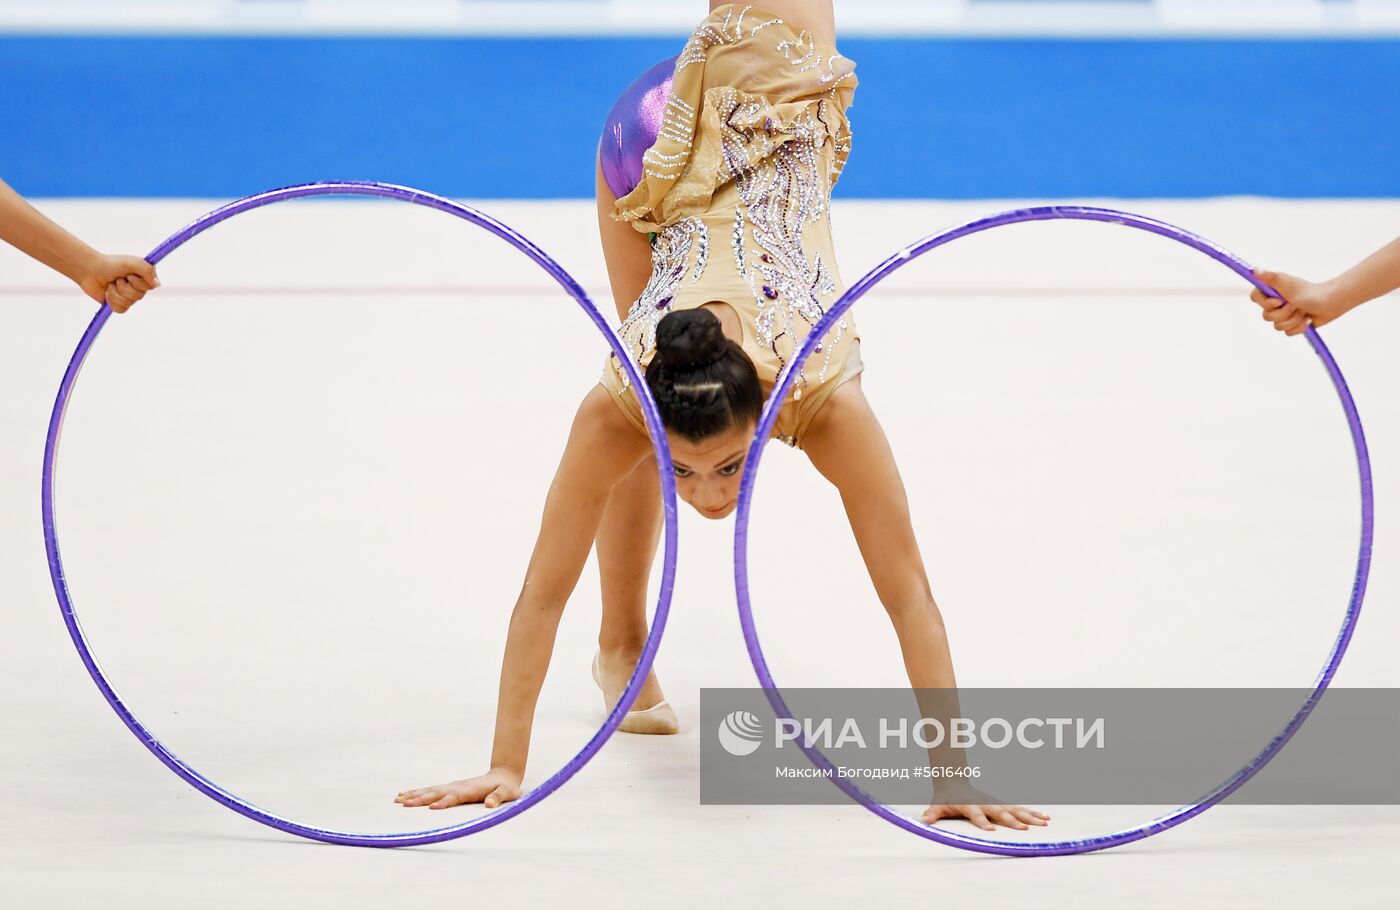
[[737, 188]]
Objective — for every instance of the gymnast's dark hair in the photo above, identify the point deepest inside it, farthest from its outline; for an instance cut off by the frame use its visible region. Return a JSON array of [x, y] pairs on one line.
[[703, 383]]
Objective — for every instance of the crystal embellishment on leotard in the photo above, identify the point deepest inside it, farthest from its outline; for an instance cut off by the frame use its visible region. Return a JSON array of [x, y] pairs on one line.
[[730, 31], [677, 125], [702, 252], [670, 261], [802, 53], [678, 120], [782, 191], [740, 257]]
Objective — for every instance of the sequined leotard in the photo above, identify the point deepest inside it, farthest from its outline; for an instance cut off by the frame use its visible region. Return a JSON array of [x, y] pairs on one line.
[[737, 188]]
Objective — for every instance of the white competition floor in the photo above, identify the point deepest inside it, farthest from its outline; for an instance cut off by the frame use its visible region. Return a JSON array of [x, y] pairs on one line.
[[298, 489]]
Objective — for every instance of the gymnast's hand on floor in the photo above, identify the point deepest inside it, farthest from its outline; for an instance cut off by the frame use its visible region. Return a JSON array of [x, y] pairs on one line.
[[499, 785], [120, 281], [982, 810], [1304, 302]]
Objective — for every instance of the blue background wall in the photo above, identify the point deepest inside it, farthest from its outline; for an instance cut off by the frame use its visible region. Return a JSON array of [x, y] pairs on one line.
[[519, 118]]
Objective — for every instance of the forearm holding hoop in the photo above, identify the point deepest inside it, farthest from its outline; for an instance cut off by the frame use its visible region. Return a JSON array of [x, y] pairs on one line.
[[1376, 276], [27, 230]]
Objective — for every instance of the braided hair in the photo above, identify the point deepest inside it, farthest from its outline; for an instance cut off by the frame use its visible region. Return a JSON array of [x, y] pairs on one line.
[[703, 383]]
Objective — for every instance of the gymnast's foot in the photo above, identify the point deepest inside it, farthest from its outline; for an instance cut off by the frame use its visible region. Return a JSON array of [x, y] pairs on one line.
[[651, 712]]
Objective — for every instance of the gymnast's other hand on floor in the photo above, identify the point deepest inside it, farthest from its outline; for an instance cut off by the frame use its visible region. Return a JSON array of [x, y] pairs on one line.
[[982, 810], [497, 786]]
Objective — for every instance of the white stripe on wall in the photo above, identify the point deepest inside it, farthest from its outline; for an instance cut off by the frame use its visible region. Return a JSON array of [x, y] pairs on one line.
[[1088, 18]]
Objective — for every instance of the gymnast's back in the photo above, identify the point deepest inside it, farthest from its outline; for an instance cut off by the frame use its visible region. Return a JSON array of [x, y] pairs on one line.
[[736, 191]]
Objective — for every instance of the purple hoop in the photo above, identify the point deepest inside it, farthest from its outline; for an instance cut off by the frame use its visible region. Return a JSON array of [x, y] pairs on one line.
[[663, 457], [770, 416]]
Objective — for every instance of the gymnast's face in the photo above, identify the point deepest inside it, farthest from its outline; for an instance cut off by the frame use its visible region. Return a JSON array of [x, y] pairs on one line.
[[708, 472]]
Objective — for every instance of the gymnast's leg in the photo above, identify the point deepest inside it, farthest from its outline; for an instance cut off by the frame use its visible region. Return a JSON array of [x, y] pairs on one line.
[[626, 543], [631, 528]]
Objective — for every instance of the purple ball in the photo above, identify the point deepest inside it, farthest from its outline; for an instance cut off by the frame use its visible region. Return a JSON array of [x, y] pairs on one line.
[[632, 127]]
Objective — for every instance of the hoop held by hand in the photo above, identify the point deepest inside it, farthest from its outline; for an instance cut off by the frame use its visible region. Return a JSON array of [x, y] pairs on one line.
[[770, 416], [663, 456]]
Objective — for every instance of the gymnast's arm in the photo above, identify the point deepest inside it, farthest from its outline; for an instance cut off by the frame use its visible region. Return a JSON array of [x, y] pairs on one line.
[[848, 446], [1320, 303], [603, 448], [119, 280]]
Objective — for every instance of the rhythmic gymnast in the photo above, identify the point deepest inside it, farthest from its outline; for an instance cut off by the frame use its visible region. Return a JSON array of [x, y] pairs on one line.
[[724, 252], [1318, 303], [119, 281]]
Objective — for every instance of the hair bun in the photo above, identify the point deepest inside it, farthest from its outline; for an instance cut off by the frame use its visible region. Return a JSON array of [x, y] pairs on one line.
[[690, 339]]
